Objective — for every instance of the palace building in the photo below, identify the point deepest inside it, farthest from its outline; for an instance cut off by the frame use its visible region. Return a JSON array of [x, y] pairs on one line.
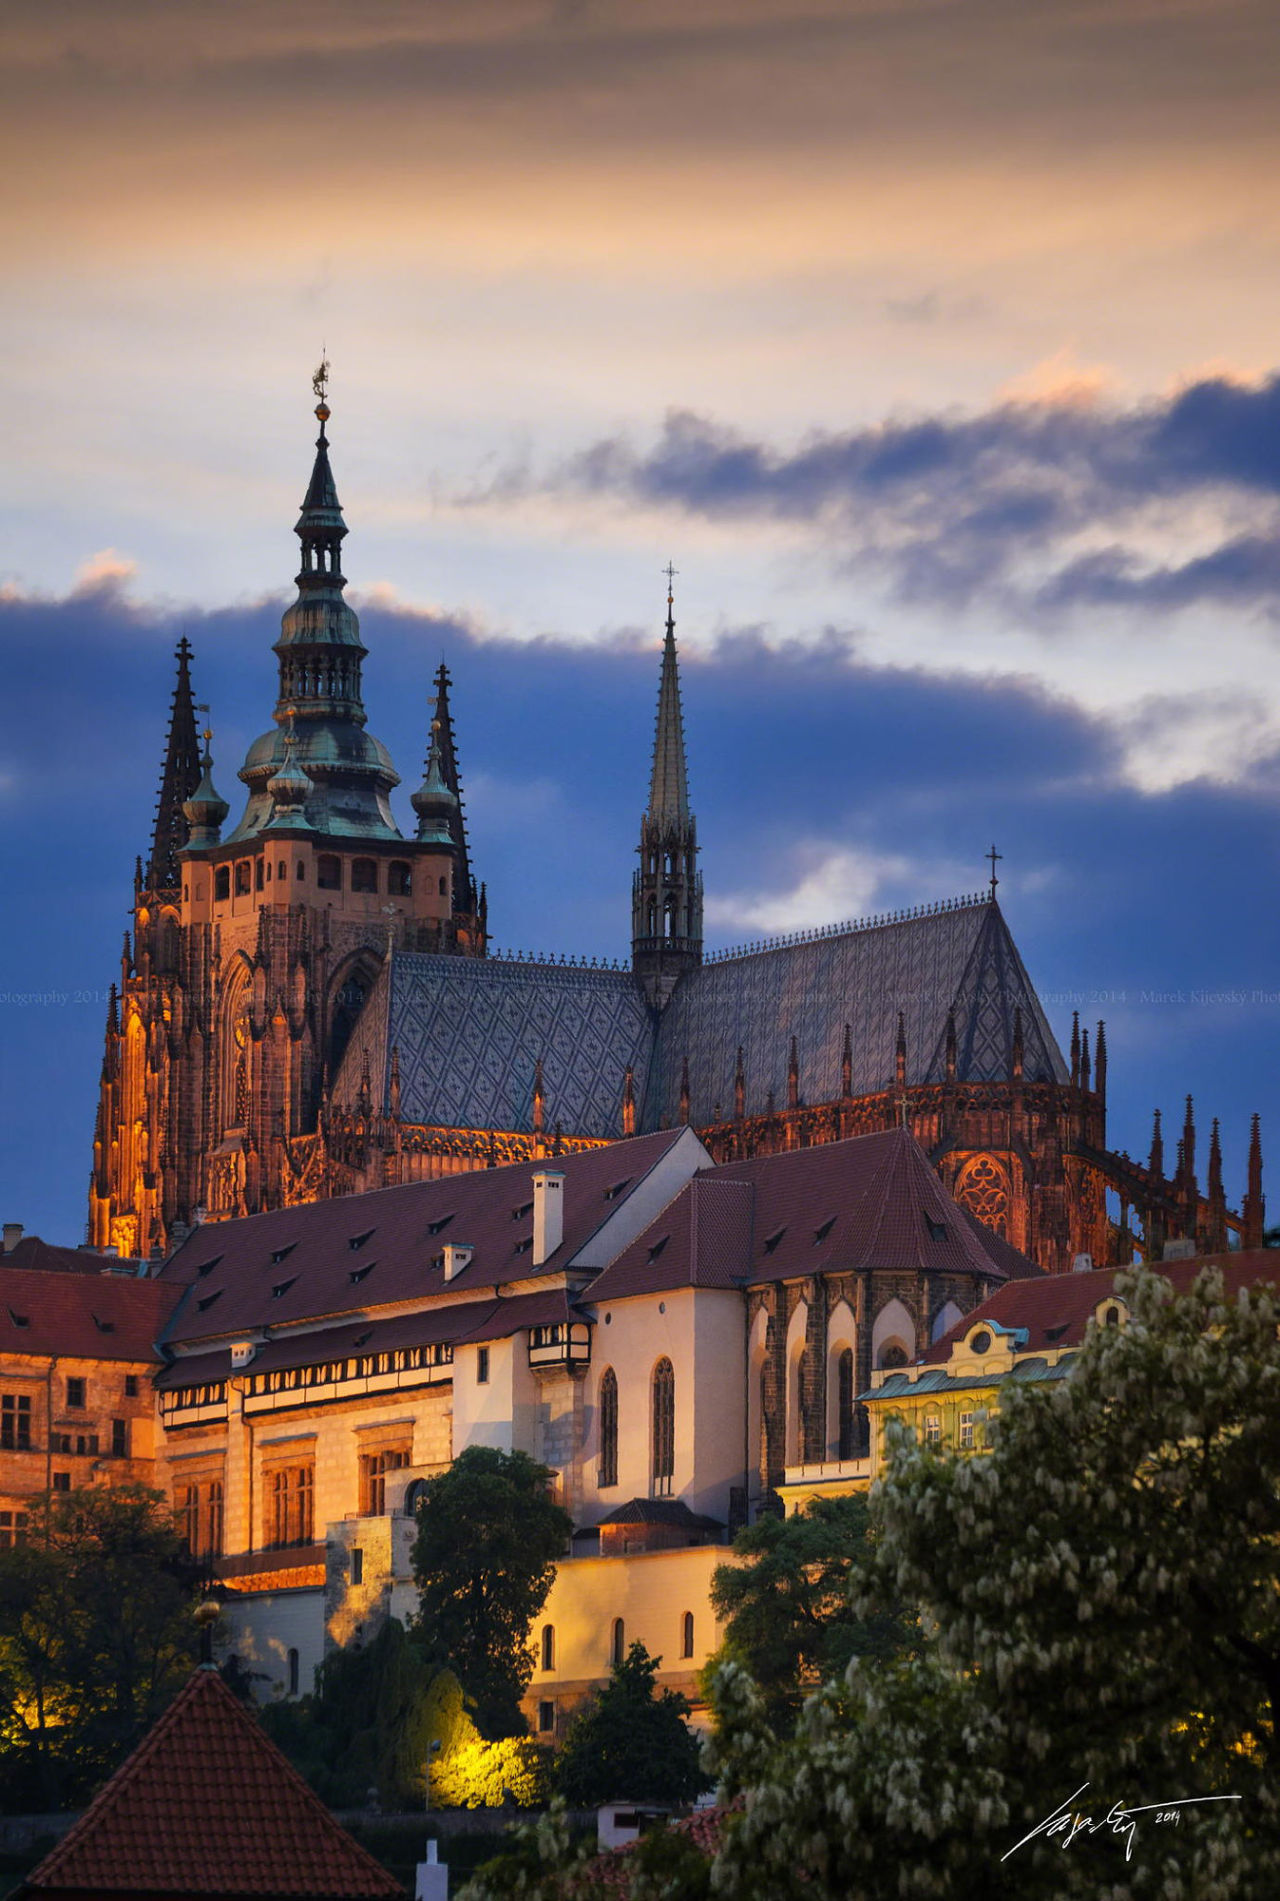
[[309, 1004]]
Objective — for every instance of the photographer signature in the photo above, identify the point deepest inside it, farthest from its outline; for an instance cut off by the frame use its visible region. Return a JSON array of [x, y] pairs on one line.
[[1068, 1822]]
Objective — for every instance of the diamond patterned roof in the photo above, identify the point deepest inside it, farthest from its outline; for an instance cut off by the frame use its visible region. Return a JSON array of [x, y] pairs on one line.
[[470, 1030], [923, 966]]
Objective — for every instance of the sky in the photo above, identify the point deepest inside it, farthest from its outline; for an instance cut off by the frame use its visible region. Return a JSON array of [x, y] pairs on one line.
[[932, 341]]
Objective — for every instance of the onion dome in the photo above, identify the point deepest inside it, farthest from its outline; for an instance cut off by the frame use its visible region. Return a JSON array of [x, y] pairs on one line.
[[206, 809], [287, 788], [434, 802]]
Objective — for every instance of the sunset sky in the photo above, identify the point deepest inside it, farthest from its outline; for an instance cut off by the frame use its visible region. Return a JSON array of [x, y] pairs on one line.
[[934, 342]]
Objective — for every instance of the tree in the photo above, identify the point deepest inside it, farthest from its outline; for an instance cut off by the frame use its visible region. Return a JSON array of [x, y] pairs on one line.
[[630, 1740], [786, 1608], [96, 1635], [489, 1533], [367, 1726], [1104, 1589]]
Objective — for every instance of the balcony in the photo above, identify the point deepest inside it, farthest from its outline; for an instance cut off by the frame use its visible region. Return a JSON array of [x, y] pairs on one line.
[[566, 1344]]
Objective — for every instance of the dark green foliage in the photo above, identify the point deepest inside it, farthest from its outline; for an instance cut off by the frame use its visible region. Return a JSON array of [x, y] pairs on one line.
[[788, 1619], [489, 1534], [630, 1741], [367, 1726], [96, 1636]]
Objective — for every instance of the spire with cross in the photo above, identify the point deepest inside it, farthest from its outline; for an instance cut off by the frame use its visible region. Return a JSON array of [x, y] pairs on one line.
[[995, 858]]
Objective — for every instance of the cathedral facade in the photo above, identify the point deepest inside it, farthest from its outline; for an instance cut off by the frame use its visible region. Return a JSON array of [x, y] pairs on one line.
[[309, 1004]]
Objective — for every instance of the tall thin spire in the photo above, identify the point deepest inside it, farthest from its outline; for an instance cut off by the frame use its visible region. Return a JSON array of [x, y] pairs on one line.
[[464, 889], [179, 777], [669, 779], [666, 893], [1254, 1211]]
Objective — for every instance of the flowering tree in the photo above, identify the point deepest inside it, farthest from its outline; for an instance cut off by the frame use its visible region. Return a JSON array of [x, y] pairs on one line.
[[1104, 1591]]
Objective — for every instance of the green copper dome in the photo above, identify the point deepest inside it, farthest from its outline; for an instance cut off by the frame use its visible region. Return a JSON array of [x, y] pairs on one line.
[[349, 774]]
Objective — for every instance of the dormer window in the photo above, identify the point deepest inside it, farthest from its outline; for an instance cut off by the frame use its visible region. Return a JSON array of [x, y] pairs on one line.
[[280, 1254], [439, 1226], [820, 1234], [937, 1229], [281, 1288], [657, 1248], [980, 1342], [612, 1193], [773, 1240], [205, 1304], [525, 1208], [358, 1274], [104, 1326], [358, 1240], [207, 1267]]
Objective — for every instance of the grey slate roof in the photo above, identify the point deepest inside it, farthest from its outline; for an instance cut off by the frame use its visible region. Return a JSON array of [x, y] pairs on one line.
[[923, 966], [470, 1030]]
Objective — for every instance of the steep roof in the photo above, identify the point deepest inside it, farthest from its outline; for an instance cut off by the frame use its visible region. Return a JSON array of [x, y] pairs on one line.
[[367, 1251], [469, 1032], [960, 959], [873, 1201], [1056, 1309], [207, 1806], [48, 1258], [82, 1316], [669, 780]]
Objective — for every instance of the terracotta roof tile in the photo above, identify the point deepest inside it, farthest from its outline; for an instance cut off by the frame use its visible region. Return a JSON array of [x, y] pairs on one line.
[[871, 1201], [1055, 1310], [82, 1316], [47, 1258], [207, 1806], [308, 1253]]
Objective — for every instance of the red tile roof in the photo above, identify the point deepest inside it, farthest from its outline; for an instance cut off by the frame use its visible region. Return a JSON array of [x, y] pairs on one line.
[[208, 1807], [467, 1321], [1056, 1309], [32, 1252], [704, 1828], [82, 1316], [389, 1231], [863, 1203]]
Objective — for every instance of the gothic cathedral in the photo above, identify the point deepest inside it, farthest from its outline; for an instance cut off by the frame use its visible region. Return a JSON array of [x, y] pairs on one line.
[[309, 1004]]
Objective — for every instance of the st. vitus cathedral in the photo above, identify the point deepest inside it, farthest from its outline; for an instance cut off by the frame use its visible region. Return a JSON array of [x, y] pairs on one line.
[[309, 1004]]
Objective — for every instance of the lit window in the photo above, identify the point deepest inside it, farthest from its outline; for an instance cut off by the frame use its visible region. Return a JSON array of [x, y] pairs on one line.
[[608, 1427], [292, 1499], [13, 1530], [664, 1428], [15, 1422], [374, 1468]]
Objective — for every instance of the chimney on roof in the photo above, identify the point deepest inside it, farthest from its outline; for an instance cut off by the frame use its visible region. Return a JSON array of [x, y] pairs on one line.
[[1082, 1264], [457, 1255], [548, 1213], [12, 1235]]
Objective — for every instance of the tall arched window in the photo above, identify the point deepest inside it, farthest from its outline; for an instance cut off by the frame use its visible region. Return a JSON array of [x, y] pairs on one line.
[[844, 1402], [618, 1642], [664, 1428], [608, 1427], [293, 1673], [686, 1634], [548, 1646]]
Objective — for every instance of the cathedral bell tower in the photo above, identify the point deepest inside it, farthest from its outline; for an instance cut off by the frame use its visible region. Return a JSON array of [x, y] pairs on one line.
[[255, 950], [666, 892]]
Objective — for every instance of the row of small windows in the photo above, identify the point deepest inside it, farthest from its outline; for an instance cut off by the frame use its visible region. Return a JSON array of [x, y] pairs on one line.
[[251, 874], [292, 1379], [617, 1641], [662, 1424]]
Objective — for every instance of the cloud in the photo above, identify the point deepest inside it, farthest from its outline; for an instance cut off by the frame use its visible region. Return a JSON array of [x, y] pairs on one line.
[[1002, 502], [835, 882], [105, 573]]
